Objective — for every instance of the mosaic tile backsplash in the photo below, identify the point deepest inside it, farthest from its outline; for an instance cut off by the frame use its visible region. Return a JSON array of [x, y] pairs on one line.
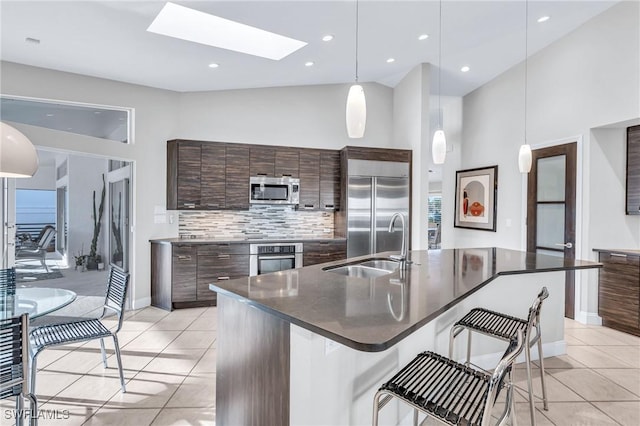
[[257, 222]]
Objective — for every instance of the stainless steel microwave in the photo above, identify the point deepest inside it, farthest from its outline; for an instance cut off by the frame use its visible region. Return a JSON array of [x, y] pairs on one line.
[[270, 190]]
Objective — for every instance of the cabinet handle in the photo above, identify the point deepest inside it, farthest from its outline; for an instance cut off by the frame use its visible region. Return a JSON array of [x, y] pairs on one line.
[[617, 255], [261, 174], [309, 206], [189, 205], [289, 175], [223, 256], [223, 278], [184, 257], [329, 207]]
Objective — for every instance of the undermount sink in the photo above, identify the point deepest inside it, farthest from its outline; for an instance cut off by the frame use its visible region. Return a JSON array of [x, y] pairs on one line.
[[368, 268]]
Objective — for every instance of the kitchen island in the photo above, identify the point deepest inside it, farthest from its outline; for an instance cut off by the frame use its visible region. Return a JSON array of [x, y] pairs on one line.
[[312, 345]]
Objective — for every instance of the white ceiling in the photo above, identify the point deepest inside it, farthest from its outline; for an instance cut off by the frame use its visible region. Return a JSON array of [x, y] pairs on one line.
[[108, 39]]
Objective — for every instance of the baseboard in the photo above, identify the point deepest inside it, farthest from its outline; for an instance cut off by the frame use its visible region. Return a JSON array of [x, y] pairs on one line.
[[590, 318], [141, 303], [489, 361]]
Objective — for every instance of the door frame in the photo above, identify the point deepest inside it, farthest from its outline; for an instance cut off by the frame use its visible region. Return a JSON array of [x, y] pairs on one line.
[[579, 313]]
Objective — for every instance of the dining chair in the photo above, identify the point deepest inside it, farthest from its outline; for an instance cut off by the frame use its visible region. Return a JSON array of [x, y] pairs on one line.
[[504, 327], [14, 367], [85, 329], [38, 251], [450, 392]]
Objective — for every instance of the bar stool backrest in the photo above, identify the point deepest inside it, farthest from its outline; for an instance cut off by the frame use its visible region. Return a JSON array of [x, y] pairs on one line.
[[116, 294], [502, 371], [534, 311]]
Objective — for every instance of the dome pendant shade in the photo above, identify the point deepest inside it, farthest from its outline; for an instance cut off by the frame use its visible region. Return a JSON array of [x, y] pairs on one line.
[[356, 112], [439, 147], [18, 156], [524, 158]]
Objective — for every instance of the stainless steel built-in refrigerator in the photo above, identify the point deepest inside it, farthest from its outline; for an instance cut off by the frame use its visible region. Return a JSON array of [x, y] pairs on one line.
[[376, 190]]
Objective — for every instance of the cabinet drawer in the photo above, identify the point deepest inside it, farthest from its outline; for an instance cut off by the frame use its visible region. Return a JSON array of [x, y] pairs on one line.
[[620, 259], [222, 249], [321, 252]]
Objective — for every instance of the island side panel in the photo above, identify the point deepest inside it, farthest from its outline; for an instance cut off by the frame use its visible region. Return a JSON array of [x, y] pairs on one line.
[[252, 373]]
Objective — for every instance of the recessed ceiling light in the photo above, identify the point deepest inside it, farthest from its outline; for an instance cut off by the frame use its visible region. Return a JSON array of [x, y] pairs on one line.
[[544, 18], [328, 37], [199, 27], [423, 37], [213, 65], [32, 40], [390, 60], [97, 112], [308, 64], [49, 115], [465, 68]]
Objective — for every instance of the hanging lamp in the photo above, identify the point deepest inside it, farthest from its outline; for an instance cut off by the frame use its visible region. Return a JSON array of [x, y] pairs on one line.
[[524, 155], [356, 113], [439, 144], [18, 156]]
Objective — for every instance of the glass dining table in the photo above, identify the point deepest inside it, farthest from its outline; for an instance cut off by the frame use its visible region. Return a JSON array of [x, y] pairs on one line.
[[36, 301]]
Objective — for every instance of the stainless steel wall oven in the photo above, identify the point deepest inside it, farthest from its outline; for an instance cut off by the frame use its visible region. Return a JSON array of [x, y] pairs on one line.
[[272, 257]]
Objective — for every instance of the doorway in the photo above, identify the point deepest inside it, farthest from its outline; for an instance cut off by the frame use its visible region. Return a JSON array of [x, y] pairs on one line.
[[551, 208]]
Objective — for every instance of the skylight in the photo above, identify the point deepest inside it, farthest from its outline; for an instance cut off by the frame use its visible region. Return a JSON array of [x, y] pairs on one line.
[[199, 27]]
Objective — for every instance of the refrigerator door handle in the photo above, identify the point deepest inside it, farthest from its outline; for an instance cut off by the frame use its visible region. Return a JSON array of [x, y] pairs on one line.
[[372, 226]]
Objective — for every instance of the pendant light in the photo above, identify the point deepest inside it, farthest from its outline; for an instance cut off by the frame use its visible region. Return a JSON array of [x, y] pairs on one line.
[[524, 156], [18, 157], [439, 144], [356, 103]]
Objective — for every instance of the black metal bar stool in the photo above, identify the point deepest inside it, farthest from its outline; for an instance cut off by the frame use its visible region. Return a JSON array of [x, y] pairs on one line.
[[505, 327], [451, 392]]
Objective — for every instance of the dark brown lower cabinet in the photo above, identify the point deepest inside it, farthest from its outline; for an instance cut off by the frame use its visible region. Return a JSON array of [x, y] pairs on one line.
[[619, 291], [181, 273], [324, 251]]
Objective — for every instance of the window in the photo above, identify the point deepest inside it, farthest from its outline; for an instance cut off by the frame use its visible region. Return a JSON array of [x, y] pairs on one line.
[[35, 208], [435, 220]]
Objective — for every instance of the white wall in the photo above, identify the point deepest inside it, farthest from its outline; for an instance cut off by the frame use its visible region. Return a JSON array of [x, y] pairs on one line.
[[588, 79], [411, 131], [303, 116], [45, 178]]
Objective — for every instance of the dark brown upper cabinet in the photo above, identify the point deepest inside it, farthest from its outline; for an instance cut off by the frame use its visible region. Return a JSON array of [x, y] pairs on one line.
[[330, 180], [183, 175], [215, 175], [287, 162], [212, 176], [633, 170], [309, 179], [237, 177], [262, 161]]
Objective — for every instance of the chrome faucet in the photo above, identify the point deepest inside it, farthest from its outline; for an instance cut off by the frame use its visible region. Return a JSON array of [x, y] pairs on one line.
[[403, 250]]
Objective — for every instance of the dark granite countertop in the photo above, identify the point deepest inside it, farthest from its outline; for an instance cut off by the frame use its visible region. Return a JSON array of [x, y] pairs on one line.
[[630, 252], [248, 239], [373, 314]]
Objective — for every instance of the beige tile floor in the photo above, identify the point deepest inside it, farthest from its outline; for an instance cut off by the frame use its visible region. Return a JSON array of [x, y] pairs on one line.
[[169, 361]]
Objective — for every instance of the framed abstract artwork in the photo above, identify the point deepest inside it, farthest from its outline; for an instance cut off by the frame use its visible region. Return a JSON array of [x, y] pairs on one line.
[[476, 198]]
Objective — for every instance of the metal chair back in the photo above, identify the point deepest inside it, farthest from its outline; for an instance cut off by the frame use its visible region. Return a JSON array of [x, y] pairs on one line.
[[116, 294], [48, 232], [533, 320], [14, 355]]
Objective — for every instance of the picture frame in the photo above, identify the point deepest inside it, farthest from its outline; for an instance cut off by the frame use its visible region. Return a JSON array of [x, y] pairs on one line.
[[476, 198]]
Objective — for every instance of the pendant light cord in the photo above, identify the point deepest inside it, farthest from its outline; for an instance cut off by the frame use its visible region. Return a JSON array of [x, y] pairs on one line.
[[440, 68], [357, 30], [526, 63]]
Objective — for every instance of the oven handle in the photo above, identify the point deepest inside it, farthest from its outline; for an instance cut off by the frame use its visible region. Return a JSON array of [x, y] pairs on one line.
[[280, 256]]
